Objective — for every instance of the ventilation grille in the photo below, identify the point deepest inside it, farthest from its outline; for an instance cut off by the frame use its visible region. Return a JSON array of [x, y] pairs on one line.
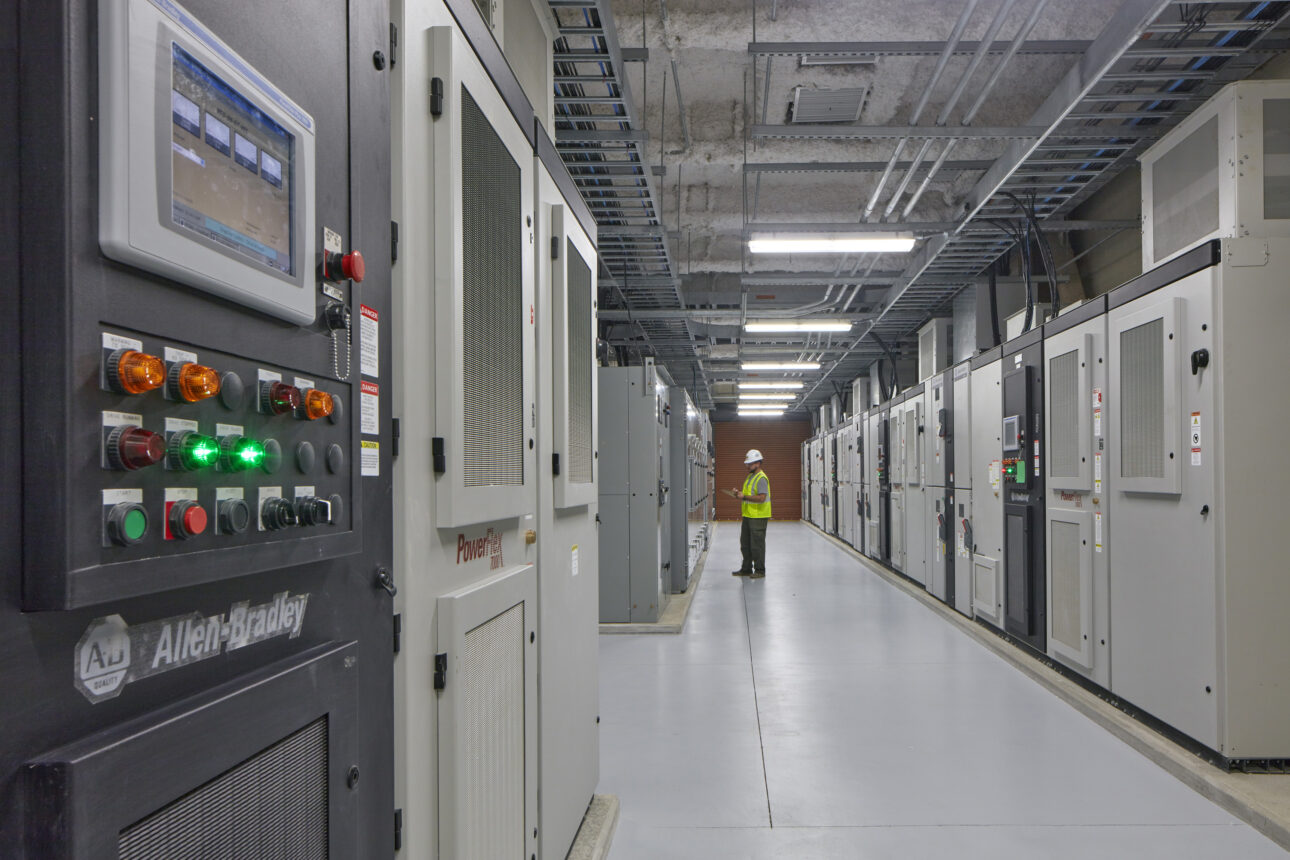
[[842, 105], [493, 305], [926, 354], [1184, 191], [579, 362], [1142, 401], [1276, 158], [492, 751], [983, 583], [274, 804], [1063, 421], [1067, 593]]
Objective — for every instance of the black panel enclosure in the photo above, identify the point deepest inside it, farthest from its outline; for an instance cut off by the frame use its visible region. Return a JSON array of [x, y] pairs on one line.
[[59, 578]]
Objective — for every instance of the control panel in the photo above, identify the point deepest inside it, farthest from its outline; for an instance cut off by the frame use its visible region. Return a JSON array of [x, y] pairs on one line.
[[204, 449]]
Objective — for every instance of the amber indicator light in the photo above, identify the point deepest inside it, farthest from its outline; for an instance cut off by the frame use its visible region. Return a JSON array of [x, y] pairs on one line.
[[317, 404], [132, 372], [193, 382]]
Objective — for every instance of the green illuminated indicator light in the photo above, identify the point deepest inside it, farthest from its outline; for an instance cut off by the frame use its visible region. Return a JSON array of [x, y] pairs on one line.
[[204, 452], [1021, 471], [135, 524], [249, 453]]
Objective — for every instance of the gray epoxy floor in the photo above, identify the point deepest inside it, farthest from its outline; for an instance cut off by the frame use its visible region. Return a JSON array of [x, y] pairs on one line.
[[821, 713]]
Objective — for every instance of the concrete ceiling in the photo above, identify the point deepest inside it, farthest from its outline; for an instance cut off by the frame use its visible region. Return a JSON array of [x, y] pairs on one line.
[[712, 178]]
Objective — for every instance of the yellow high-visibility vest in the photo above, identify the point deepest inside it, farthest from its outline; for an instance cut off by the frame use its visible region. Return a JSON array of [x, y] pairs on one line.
[[757, 510]]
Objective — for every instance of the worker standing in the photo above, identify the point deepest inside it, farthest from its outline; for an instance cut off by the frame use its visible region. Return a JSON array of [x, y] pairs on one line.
[[755, 496]]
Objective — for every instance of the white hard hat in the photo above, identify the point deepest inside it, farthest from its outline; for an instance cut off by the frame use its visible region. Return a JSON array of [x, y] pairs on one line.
[[754, 456]]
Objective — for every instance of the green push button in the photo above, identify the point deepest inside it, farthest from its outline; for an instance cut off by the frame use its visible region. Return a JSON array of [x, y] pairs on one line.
[[136, 524], [127, 523]]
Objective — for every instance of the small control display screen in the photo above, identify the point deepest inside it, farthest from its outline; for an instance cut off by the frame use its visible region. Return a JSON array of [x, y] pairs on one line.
[[1012, 433], [231, 167]]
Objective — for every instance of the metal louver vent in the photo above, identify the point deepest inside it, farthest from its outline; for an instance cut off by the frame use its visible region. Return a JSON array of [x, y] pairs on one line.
[[1063, 422], [492, 683], [580, 357], [1067, 594], [493, 305], [1142, 401], [1184, 191], [812, 106], [274, 804]]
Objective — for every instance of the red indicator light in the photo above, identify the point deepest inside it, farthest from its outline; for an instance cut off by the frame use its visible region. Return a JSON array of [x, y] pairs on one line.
[[317, 404], [192, 382], [278, 398], [132, 372], [130, 447]]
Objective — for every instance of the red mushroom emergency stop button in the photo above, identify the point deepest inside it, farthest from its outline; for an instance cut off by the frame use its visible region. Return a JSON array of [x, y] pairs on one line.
[[338, 266]]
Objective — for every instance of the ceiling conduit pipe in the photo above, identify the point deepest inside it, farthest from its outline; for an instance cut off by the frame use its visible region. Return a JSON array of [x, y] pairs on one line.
[[950, 46], [944, 116], [990, 83]]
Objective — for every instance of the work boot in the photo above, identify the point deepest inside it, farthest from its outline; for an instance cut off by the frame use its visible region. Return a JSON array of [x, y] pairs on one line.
[[741, 573], [760, 574]]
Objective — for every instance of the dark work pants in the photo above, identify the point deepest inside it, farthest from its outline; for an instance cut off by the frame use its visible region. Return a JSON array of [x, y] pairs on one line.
[[752, 543]]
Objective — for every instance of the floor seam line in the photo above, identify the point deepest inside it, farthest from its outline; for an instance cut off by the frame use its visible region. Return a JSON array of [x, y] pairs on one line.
[[761, 742]]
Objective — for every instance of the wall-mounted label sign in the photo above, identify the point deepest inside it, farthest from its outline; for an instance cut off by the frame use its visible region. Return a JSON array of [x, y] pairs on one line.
[[112, 653]]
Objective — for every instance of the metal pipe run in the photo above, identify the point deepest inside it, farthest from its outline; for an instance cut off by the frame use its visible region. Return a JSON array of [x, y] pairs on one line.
[[955, 37], [996, 24], [990, 83]]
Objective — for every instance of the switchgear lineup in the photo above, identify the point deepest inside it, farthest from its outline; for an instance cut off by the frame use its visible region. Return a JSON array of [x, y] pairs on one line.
[[1086, 487]]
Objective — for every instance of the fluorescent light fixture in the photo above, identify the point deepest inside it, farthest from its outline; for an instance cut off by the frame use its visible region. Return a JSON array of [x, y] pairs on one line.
[[831, 243], [764, 413], [789, 326], [770, 386], [746, 397], [781, 365]]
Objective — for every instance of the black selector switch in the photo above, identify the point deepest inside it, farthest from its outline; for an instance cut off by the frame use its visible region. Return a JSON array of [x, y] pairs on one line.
[[234, 516], [311, 511], [277, 514], [336, 316]]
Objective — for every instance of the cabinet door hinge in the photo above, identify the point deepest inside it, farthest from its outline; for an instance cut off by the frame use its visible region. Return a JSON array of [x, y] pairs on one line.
[[394, 437], [436, 96], [398, 633], [555, 463], [440, 458], [440, 671], [394, 44], [394, 242], [398, 829]]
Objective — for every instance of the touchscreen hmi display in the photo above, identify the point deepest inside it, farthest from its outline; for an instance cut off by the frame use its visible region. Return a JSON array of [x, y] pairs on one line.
[[231, 167]]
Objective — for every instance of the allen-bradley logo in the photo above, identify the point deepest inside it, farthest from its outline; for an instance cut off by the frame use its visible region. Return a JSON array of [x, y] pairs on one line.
[[112, 653], [472, 550]]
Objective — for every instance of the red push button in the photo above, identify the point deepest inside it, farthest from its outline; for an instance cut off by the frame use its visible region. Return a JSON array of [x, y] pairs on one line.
[[187, 519]]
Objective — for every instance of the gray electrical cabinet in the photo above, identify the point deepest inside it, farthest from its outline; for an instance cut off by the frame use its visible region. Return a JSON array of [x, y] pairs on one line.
[[898, 477], [960, 481], [635, 554], [1197, 357], [688, 465], [986, 523], [1079, 483], [830, 444], [845, 449], [913, 441], [938, 493]]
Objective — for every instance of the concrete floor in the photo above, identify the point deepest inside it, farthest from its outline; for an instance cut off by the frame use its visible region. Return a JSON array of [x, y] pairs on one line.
[[823, 713]]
